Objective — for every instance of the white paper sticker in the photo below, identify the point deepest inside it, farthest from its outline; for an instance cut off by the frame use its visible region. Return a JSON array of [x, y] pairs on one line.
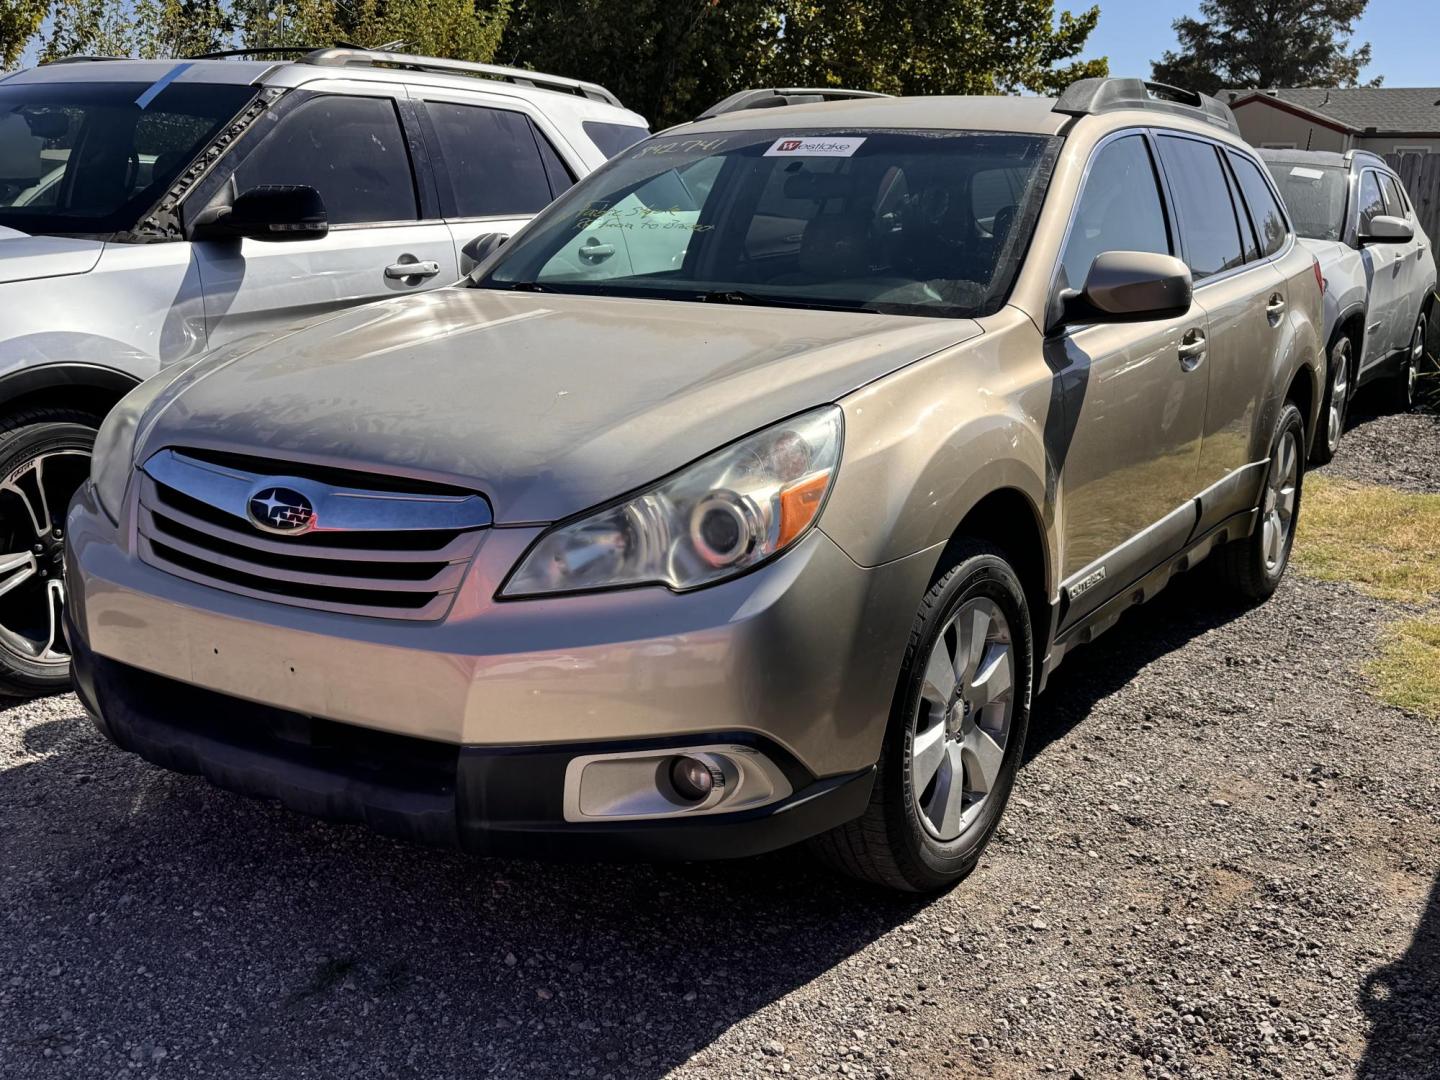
[[814, 146], [1307, 174]]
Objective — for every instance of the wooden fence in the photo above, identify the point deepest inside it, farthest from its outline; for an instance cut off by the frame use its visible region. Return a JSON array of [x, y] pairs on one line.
[[1421, 174]]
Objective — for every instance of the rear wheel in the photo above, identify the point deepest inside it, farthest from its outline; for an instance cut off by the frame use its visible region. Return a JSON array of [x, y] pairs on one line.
[[1253, 566], [1337, 401], [1407, 378], [956, 733], [44, 458]]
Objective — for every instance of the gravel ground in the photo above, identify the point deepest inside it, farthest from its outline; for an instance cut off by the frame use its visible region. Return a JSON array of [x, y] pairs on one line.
[[1399, 450], [1219, 862]]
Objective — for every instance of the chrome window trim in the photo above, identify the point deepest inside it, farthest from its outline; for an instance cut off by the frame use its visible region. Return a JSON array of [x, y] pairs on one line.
[[338, 509]]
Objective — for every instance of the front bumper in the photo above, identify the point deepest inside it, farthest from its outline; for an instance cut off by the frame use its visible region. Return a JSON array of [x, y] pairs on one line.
[[460, 731]]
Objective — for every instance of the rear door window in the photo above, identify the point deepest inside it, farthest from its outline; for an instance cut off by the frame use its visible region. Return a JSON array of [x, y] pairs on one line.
[[349, 149], [1265, 210], [495, 162], [1209, 228], [1119, 210]]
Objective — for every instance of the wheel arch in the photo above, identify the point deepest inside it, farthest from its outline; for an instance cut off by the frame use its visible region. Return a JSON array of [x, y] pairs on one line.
[[1007, 518], [91, 387]]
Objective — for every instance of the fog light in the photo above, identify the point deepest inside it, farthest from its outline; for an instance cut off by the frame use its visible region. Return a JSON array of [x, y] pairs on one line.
[[695, 780]]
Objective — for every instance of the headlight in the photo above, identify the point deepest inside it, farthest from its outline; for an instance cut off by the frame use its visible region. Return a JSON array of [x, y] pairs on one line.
[[114, 455], [715, 519]]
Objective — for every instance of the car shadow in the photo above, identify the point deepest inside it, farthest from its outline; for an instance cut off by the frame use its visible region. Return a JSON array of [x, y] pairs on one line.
[[1189, 607], [307, 946], [1402, 1002]]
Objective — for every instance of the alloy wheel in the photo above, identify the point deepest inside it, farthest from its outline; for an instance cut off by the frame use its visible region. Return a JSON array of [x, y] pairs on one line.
[[1280, 493], [962, 727], [1339, 393], [1417, 357], [33, 500]]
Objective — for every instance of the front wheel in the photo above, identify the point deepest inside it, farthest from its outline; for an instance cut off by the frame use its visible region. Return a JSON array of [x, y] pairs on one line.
[[44, 458], [955, 737]]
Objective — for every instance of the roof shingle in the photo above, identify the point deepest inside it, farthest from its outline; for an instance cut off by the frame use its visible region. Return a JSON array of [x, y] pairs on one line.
[[1407, 111]]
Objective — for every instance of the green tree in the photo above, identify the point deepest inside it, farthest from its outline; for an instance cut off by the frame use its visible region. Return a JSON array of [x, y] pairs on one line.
[[458, 29], [934, 46], [19, 22], [1264, 43], [665, 58], [670, 59]]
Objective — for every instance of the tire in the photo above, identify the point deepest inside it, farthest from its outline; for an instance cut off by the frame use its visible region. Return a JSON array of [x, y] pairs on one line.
[[1253, 566], [1336, 404], [907, 839], [1403, 386], [41, 450]]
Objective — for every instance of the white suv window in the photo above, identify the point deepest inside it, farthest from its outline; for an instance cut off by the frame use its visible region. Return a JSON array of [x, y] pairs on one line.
[[350, 149]]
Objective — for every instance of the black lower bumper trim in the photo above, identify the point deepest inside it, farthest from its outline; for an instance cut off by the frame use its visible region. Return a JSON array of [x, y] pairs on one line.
[[488, 800]]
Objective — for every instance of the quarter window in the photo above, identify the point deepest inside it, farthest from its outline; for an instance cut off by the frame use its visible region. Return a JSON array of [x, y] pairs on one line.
[[495, 160], [1265, 211], [1372, 203], [1209, 230], [349, 149], [1119, 210]]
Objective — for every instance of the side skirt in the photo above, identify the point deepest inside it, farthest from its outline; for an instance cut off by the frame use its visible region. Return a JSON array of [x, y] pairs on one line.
[[1086, 630]]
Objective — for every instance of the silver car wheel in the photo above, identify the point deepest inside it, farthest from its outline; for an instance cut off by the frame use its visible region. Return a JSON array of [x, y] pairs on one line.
[[962, 726], [1339, 393], [1279, 508], [1417, 357], [32, 588]]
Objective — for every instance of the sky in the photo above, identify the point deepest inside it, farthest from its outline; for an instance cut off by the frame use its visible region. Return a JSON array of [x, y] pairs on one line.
[[1402, 35]]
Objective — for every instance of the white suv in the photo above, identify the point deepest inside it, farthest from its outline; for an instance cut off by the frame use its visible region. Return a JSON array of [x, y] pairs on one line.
[[140, 207]]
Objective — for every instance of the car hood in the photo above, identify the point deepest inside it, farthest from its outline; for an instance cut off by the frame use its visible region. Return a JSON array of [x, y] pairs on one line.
[[28, 258], [548, 404]]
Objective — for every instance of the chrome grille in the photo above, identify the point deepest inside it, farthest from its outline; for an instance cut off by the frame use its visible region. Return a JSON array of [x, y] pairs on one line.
[[379, 551]]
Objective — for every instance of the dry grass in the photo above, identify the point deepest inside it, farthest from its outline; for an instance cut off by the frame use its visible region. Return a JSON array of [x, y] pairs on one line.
[[1385, 541], [1388, 543], [1407, 674]]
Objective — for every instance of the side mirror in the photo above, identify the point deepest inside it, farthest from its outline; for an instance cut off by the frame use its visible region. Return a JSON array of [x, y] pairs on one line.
[[1129, 286], [1387, 230], [276, 213], [479, 249]]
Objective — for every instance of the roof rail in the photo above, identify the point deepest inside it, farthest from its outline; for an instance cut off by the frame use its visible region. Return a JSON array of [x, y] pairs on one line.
[[81, 60], [774, 97], [1088, 96], [374, 58], [269, 50], [1351, 155]]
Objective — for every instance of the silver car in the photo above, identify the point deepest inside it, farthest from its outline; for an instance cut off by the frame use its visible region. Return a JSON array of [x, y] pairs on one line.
[[1353, 213], [743, 498]]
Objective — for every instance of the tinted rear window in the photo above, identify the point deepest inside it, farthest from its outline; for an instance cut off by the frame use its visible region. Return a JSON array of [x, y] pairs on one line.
[[1209, 230], [613, 138]]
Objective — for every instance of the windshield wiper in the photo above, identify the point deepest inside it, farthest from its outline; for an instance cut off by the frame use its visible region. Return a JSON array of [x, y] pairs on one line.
[[526, 286], [740, 296]]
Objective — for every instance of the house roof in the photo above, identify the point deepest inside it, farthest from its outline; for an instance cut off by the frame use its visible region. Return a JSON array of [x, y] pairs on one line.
[[1389, 110]]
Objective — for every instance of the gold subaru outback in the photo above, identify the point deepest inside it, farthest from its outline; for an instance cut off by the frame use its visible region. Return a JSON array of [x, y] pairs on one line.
[[743, 498]]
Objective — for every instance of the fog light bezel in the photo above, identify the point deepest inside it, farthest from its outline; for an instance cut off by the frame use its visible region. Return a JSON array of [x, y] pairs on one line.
[[635, 785]]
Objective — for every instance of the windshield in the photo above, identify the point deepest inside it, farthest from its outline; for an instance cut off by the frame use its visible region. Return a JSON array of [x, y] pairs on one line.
[[1315, 195], [90, 158], [905, 222]]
